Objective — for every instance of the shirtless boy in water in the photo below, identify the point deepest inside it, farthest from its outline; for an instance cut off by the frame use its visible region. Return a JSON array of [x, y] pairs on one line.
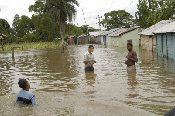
[[131, 58]]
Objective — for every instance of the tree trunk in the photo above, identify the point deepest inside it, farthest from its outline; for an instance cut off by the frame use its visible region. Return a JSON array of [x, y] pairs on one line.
[[62, 35]]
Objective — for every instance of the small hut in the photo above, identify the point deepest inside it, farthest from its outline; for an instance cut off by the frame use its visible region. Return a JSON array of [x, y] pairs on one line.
[[147, 37], [83, 39], [166, 41], [120, 37], [95, 37], [70, 40]]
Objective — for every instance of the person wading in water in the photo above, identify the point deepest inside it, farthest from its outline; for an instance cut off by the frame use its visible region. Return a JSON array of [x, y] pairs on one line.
[[131, 58], [89, 59]]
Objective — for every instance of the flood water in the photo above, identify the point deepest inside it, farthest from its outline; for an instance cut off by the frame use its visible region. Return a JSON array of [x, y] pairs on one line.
[[62, 88]]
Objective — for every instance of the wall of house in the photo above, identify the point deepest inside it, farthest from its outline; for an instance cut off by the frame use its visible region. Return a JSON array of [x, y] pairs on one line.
[[83, 40], [104, 39], [96, 40], [148, 42], [121, 41], [166, 45]]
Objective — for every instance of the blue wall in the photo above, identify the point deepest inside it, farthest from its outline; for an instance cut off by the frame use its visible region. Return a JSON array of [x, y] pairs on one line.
[[166, 45]]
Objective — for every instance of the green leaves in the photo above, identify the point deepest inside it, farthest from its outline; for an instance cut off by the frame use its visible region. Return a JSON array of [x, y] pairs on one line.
[[22, 25], [38, 7], [4, 27], [117, 19], [152, 11]]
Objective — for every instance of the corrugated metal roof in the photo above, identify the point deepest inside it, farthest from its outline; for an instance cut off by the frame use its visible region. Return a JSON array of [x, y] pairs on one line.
[[121, 31], [152, 29], [94, 33], [167, 28], [109, 32]]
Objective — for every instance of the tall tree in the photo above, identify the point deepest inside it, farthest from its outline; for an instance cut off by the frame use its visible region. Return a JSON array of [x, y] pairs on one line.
[[44, 27], [22, 25], [4, 27], [117, 19], [61, 12], [38, 7], [152, 11]]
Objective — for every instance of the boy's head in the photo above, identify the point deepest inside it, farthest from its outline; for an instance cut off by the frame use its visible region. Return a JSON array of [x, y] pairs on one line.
[[129, 46], [91, 48], [24, 84]]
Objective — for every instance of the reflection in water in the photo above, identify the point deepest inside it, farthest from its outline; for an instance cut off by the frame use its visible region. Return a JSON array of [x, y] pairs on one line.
[[90, 78], [51, 72], [132, 88], [132, 81]]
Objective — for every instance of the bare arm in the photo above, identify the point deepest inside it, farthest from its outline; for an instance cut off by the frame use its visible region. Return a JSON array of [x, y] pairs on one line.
[[135, 59]]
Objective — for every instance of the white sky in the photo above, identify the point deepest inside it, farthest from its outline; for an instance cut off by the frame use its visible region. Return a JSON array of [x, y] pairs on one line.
[[91, 9]]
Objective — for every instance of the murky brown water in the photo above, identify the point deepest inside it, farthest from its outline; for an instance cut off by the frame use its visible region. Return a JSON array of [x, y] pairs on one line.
[[62, 87]]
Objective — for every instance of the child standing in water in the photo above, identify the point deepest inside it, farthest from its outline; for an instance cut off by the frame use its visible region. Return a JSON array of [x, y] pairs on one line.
[[89, 59], [131, 59], [25, 96]]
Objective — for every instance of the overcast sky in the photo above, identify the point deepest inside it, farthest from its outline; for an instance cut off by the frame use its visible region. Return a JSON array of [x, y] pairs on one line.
[[91, 9]]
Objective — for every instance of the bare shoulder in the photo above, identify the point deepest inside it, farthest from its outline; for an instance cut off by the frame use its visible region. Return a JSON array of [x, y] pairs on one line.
[[134, 52]]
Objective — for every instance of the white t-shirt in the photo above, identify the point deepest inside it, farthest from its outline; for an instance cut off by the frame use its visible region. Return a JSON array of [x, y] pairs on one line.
[[88, 57], [27, 95]]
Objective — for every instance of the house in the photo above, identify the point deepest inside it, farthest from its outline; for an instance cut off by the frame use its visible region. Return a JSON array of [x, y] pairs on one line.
[[83, 39], [70, 40], [120, 37], [165, 43], [105, 35], [147, 37], [95, 37]]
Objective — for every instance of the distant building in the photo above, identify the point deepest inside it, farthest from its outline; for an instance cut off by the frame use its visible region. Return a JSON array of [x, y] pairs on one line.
[[105, 35], [165, 36], [83, 39], [95, 37], [70, 40], [120, 37], [147, 37]]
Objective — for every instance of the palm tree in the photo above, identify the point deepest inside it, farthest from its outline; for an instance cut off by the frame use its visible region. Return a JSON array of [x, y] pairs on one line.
[[62, 11]]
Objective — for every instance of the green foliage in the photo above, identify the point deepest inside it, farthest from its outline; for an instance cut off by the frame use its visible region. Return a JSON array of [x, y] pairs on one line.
[[49, 21], [84, 28], [61, 12], [22, 25], [117, 19], [4, 27], [73, 30], [33, 45], [38, 7], [152, 11], [45, 27]]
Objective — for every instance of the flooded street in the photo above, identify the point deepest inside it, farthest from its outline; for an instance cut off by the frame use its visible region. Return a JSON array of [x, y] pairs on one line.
[[62, 88]]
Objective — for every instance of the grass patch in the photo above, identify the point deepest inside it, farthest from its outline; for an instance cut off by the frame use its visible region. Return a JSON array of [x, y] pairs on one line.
[[33, 45]]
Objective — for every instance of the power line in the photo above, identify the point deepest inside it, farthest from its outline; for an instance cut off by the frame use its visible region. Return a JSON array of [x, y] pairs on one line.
[[99, 12]]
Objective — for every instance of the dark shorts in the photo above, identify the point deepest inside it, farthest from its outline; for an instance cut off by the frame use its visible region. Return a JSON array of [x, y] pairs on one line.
[[89, 69], [24, 100]]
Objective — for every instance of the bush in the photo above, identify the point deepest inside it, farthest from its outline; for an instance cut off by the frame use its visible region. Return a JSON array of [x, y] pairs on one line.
[[31, 37]]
